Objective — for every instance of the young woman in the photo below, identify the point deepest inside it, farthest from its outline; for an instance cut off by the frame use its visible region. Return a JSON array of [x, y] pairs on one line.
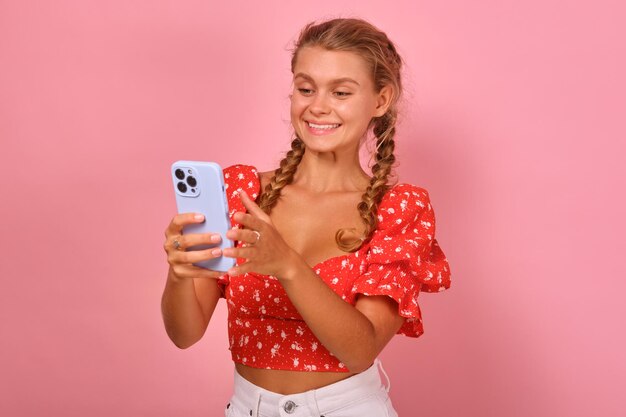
[[330, 260]]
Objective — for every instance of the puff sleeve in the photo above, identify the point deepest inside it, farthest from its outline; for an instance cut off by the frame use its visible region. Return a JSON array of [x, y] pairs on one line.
[[238, 177], [404, 257]]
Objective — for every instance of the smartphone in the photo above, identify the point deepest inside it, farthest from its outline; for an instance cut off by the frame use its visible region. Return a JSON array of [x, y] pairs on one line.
[[199, 188]]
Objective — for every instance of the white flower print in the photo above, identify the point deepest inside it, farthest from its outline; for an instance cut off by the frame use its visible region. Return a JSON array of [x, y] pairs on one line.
[[274, 350], [429, 276], [376, 250]]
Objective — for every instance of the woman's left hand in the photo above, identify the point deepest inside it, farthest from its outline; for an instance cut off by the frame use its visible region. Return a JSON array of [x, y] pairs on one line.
[[267, 254]]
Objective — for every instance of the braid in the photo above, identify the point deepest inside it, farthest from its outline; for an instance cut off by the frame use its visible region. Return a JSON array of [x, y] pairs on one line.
[[282, 175], [384, 129]]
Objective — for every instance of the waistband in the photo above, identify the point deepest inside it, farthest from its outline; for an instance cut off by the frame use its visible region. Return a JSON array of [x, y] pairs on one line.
[[320, 401]]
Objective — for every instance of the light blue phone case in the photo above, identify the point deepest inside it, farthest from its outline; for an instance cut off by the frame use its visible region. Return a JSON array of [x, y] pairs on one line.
[[199, 188]]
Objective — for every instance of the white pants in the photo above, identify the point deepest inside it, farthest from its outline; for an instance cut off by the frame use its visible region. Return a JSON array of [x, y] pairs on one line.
[[361, 395]]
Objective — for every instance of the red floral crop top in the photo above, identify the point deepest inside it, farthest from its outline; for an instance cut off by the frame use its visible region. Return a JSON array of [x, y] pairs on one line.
[[401, 259]]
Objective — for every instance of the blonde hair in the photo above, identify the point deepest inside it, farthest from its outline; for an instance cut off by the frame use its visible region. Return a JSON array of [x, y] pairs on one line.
[[373, 45]]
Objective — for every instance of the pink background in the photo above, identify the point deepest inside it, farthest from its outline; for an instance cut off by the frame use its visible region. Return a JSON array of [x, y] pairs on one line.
[[514, 123]]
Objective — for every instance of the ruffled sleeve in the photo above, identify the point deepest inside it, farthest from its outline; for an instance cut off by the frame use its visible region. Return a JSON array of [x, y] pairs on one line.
[[404, 257], [237, 178]]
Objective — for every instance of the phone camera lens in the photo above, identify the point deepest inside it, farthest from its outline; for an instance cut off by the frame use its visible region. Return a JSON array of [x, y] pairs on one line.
[[182, 187], [193, 190], [192, 181], [180, 174]]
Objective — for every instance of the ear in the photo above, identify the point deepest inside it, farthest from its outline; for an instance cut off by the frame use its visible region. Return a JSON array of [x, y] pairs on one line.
[[383, 101]]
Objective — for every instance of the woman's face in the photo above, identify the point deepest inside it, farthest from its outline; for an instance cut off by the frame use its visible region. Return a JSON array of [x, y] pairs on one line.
[[333, 99]]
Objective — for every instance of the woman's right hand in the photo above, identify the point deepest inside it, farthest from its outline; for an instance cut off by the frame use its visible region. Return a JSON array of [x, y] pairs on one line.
[[181, 261]]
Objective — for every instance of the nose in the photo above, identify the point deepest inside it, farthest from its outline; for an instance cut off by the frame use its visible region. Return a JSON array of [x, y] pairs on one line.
[[319, 105]]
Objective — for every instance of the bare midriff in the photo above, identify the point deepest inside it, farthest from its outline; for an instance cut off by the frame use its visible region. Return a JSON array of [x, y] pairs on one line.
[[289, 382]]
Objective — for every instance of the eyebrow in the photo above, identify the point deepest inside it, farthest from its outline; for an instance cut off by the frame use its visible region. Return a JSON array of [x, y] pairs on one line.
[[336, 81]]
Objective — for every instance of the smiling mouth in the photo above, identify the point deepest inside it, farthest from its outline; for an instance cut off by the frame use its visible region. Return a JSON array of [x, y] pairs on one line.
[[323, 127]]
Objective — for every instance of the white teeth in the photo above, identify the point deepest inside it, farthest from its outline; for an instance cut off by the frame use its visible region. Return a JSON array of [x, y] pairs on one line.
[[314, 126]]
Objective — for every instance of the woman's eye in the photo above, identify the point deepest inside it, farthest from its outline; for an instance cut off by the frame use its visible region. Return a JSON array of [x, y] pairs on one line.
[[304, 90], [343, 93]]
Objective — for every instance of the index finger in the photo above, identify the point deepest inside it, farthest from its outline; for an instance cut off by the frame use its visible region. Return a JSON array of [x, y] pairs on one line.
[[182, 219]]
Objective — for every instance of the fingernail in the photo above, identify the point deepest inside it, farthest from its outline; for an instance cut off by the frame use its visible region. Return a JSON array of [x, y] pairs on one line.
[[216, 252], [198, 217], [216, 238]]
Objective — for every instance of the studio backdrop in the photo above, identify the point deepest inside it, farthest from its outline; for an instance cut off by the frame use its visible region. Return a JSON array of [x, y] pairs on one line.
[[512, 121]]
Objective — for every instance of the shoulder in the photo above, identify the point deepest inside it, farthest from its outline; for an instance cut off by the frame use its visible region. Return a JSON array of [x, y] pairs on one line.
[[238, 177], [265, 178], [239, 172], [406, 196], [406, 191], [402, 203]]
